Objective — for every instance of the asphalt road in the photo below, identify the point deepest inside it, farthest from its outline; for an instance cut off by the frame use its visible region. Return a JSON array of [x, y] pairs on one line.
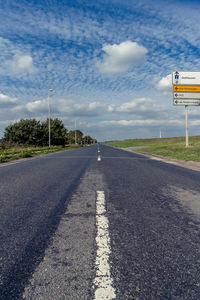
[[108, 224]]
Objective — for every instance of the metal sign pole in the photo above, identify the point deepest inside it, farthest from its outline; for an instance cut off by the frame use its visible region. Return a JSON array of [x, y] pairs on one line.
[[186, 127]]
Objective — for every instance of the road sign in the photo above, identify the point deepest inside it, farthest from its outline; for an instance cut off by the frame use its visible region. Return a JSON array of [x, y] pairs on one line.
[[194, 102], [186, 78], [192, 96], [187, 88], [186, 91]]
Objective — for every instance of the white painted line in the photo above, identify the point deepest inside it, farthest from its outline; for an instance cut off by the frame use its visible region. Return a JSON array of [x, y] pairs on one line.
[[98, 151], [99, 158], [103, 280]]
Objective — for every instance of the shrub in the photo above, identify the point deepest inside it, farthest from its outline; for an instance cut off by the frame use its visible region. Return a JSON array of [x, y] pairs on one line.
[[2, 158], [25, 154]]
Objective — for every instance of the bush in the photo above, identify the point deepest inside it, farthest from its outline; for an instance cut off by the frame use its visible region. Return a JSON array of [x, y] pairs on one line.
[[25, 154], [30, 132], [2, 158]]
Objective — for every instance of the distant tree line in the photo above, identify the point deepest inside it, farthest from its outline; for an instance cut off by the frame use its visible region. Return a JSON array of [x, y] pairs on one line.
[[31, 132]]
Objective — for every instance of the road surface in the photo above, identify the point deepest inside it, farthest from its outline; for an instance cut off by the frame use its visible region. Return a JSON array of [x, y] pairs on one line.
[[99, 223]]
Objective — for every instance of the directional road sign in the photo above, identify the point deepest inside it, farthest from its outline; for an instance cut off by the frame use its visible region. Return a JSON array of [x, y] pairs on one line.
[[187, 88], [194, 102], [192, 96], [186, 91], [186, 78]]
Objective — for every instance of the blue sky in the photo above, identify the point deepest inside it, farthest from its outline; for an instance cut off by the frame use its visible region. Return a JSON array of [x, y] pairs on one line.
[[108, 62]]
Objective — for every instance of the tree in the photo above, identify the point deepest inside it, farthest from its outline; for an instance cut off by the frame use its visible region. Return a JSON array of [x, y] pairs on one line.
[[32, 132], [89, 140], [71, 137], [25, 132], [58, 132]]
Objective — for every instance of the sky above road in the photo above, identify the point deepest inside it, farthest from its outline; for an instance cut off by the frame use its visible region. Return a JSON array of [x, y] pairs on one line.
[[109, 64]]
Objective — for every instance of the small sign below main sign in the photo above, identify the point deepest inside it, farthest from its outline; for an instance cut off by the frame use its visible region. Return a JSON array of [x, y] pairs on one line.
[[194, 102], [178, 95]]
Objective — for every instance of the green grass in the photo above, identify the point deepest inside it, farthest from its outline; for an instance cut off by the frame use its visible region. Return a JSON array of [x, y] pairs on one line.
[[25, 152], [169, 147]]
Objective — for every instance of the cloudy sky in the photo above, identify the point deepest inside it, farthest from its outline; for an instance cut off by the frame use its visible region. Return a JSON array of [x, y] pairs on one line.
[[109, 64]]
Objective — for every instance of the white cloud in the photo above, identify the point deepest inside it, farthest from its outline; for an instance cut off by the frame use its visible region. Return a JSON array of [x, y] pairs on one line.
[[6, 101], [141, 104], [195, 123], [119, 58], [111, 108], [139, 108], [37, 106], [96, 105], [31, 109], [144, 107], [20, 64], [144, 123], [69, 107], [165, 84], [62, 107]]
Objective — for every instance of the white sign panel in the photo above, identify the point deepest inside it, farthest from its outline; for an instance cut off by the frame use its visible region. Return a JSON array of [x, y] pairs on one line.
[[187, 102], [186, 95], [186, 78]]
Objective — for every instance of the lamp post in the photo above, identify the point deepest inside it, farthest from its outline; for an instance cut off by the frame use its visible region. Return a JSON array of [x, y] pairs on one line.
[[50, 90]]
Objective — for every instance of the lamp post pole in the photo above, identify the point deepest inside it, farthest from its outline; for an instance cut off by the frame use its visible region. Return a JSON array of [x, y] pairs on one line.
[[50, 90]]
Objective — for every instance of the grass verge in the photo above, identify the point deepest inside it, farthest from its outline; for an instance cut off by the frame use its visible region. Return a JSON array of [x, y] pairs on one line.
[[17, 153], [168, 147]]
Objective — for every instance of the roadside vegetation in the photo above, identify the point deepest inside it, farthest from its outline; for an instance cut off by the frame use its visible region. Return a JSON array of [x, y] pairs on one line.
[[29, 137], [17, 152], [169, 147]]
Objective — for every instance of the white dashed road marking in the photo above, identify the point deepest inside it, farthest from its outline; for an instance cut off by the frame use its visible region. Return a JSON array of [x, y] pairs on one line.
[[99, 158], [103, 280]]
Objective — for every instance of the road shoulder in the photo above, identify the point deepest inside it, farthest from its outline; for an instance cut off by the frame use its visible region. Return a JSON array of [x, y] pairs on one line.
[[193, 165]]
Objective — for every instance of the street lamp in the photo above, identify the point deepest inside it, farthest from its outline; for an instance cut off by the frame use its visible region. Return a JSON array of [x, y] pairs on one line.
[[50, 90]]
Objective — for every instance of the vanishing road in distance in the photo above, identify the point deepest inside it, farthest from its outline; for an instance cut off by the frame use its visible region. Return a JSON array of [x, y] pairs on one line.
[[99, 223]]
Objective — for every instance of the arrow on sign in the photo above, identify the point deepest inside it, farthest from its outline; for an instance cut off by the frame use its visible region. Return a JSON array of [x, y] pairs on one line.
[[176, 95]]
